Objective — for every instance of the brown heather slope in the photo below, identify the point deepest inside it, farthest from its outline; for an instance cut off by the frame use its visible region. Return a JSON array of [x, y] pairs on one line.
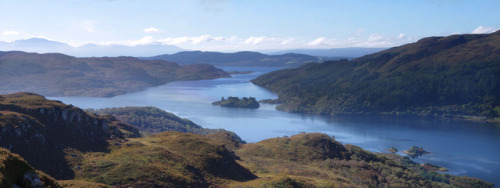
[[167, 159], [62, 75], [50, 134]]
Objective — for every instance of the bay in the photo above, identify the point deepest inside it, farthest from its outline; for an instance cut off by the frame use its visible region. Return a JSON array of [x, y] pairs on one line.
[[464, 148]]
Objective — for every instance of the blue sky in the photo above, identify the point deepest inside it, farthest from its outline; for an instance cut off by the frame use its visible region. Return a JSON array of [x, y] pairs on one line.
[[231, 25]]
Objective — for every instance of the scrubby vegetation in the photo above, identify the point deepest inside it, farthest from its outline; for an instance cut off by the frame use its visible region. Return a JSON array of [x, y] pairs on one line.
[[415, 151], [150, 120], [451, 77], [62, 75], [235, 102]]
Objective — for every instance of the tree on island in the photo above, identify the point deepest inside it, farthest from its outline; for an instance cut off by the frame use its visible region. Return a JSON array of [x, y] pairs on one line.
[[245, 102], [415, 151]]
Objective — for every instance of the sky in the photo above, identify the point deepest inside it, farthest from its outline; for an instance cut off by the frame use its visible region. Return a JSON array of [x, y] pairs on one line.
[[233, 25]]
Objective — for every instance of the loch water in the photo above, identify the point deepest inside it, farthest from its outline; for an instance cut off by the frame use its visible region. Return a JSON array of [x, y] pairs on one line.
[[464, 148]]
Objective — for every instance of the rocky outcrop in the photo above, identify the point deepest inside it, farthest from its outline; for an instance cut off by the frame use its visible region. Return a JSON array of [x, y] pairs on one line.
[[43, 131], [16, 172]]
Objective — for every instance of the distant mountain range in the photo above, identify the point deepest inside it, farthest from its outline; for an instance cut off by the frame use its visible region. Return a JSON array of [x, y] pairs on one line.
[[453, 77], [40, 45], [238, 59], [347, 53]]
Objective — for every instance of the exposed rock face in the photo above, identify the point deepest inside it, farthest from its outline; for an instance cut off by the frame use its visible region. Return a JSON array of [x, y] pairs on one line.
[[41, 131]]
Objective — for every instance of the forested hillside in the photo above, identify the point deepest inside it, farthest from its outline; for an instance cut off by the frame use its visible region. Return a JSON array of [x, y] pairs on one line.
[[454, 76], [151, 120]]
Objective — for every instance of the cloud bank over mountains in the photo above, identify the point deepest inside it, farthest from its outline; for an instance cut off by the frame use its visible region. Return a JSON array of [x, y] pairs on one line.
[[154, 43]]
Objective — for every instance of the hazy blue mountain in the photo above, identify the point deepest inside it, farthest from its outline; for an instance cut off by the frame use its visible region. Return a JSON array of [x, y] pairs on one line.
[[35, 45], [238, 59], [332, 52], [40, 45], [120, 50]]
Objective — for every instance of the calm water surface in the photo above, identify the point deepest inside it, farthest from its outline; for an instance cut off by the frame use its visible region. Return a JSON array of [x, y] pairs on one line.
[[471, 149]]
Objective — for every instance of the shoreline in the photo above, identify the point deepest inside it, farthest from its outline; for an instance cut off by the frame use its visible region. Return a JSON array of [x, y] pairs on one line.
[[459, 118]]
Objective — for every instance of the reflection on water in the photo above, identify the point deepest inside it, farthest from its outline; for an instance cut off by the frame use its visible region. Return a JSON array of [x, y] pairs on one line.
[[464, 148]]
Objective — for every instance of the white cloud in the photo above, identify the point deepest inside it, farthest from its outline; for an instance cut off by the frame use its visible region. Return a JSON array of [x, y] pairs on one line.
[[142, 41], [317, 41], [374, 37], [10, 33], [175, 40], [287, 41], [192, 40], [255, 43], [151, 30], [204, 38], [254, 40], [481, 29]]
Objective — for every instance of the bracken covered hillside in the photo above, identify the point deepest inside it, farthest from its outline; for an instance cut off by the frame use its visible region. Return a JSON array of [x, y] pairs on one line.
[[62, 75], [454, 76]]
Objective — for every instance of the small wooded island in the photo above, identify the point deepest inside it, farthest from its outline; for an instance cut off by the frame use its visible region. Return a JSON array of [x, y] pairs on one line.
[[238, 103], [415, 151]]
